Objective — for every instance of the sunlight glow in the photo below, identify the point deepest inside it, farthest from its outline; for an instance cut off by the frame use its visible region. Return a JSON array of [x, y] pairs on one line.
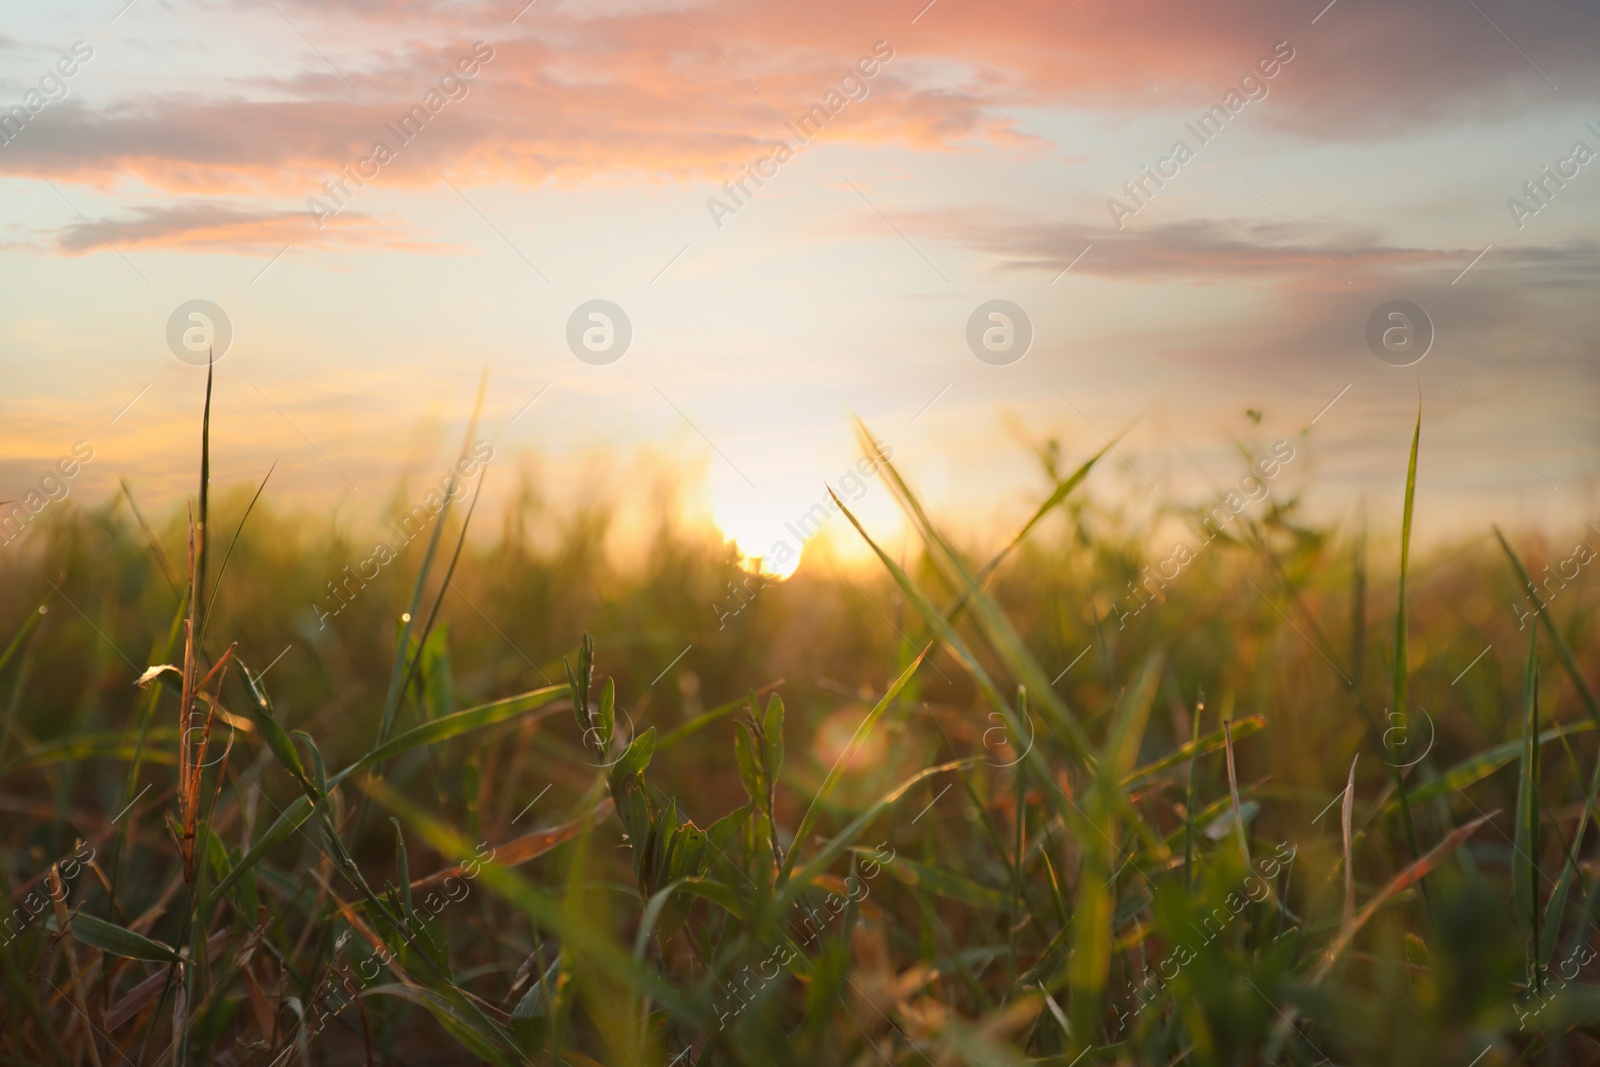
[[757, 531]]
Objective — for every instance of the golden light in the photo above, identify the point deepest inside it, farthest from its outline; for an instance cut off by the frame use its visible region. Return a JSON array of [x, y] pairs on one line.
[[754, 523]]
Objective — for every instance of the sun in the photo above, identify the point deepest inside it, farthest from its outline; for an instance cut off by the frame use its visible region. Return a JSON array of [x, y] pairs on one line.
[[756, 528]]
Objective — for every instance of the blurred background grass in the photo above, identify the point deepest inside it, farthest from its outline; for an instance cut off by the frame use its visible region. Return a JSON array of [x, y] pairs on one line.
[[1277, 619]]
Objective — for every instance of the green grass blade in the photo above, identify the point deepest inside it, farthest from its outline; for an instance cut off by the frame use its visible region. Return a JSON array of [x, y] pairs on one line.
[[497, 1048], [119, 941], [1188, 805], [391, 700], [544, 909], [438, 600], [1199, 746], [706, 718], [1556, 908], [1400, 659], [198, 592], [1401, 664], [1062, 490], [431, 733], [819, 863], [809, 820], [936, 621], [23, 632], [1542, 612], [1001, 635], [1091, 930], [216, 586], [947, 884], [287, 824], [119, 744], [1477, 768]]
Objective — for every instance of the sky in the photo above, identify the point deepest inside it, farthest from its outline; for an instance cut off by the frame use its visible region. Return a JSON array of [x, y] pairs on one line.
[[1197, 220]]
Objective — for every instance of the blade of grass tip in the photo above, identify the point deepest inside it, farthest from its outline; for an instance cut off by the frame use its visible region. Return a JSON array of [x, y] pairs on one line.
[[226, 556], [1401, 656], [1188, 806], [1346, 817], [952, 569], [1578, 682], [944, 633], [706, 718], [1062, 490], [1567, 660]]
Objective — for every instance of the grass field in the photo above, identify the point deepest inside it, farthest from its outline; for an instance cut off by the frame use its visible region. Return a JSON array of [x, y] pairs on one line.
[[1310, 800]]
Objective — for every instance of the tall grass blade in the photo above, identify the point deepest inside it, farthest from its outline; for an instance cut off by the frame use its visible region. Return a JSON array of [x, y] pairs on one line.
[[1091, 932], [1401, 656], [1542, 613], [814, 809], [232, 543]]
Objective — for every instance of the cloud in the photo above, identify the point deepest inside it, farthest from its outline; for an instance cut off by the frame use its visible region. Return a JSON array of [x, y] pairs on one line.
[[590, 98], [1233, 251], [664, 94], [207, 226]]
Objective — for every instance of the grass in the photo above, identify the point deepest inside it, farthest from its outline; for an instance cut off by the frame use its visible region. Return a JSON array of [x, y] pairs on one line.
[[521, 804]]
